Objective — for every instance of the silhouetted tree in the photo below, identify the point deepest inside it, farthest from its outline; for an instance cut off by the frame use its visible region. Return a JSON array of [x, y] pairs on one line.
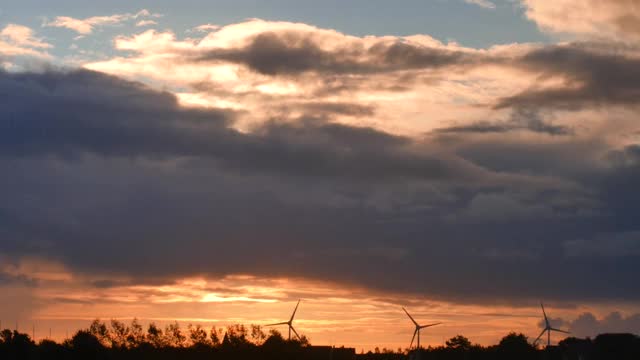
[[100, 331], [5, 336], [515, 346], [49, 349], [575, 349], [303, 340], [135, 336], [198, 336], [155, 336], [235, 336], [16, 345], [215, 336], [257, 335], [86, 345], [459, 343], [119, 334], [275, 347], [174, 336]]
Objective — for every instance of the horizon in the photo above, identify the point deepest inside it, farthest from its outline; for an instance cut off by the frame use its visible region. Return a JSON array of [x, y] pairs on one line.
[[216, 161], [267, 330]]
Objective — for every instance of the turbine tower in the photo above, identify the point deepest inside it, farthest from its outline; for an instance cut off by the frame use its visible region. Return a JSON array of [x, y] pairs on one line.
[[289, 323], [417, 330], [547, 328]]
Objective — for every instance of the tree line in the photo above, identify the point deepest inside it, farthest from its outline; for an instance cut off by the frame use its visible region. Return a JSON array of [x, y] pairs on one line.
[[119, 341]]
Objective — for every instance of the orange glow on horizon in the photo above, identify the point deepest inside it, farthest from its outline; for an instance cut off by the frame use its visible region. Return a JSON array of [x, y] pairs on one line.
[[329, 314]]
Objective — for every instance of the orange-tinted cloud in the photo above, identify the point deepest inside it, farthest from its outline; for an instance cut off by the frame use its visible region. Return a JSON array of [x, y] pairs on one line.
[[619, 19], [87, 26], [329, 313], [18, 40]]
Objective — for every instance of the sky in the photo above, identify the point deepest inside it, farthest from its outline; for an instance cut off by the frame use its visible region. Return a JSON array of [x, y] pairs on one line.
[[214, 162]]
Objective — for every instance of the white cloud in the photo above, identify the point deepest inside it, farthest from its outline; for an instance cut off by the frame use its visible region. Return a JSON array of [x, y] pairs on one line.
[[23, 36], [482, 3], [142, 23], [205, 28], [88, 25], [18, 40], [591, 18]]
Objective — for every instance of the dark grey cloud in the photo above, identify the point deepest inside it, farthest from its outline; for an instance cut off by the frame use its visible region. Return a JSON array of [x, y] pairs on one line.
[[111, 177], [588, 325], [595, 75], [521, 119], [341, 108], [292, 53], [112, 117], [72, 112], [479, 128]]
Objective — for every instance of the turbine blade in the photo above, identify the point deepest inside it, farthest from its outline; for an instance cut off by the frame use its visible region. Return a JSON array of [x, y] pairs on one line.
[[294, 311], [430, 325], [294, 331], [413, 338], [545, 314], [539, 336], [280, 323], [558, 330], [414, 322]]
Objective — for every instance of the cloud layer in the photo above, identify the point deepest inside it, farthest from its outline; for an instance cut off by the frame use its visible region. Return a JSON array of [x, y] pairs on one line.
[[592, 18], [88, 25], [398, 164], [128, 169]]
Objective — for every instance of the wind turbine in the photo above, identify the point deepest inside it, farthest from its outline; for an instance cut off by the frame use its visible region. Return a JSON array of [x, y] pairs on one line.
[[289, 323], [547, 328], [418, 328]]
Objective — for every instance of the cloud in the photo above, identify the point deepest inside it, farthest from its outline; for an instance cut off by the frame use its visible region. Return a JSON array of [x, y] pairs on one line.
[[18, 40], [588, 325], [101, 169], [374, 161], [588, 77], [87, 26], [521, 120], [23, 36], [591, 18], [614, 245], [292, 53], [282, 48], [142, 23], [286, 147], [482, 3], [259, 60], [254, 64], [205, 28]]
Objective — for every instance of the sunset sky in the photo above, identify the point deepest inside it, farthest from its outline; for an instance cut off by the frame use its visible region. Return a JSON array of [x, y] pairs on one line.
[[213, 162]]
